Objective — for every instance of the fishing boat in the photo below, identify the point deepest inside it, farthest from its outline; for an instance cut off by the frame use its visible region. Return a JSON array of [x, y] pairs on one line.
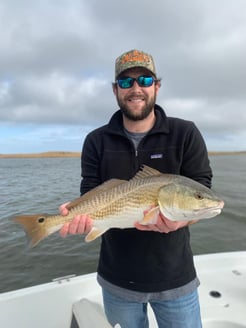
[[75, 301]]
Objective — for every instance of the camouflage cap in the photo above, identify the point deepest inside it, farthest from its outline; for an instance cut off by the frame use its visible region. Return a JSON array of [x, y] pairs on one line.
[[134, 58]]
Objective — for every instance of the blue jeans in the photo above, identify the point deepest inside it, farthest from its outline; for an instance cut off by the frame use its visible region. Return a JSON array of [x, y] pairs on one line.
[[183, 312]]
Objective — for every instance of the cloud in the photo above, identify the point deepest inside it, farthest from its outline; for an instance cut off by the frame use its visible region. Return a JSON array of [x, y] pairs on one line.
[[54, 98], [57, 61]]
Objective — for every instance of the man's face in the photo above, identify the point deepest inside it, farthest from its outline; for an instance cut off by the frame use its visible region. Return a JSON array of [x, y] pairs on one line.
[[136, 102]]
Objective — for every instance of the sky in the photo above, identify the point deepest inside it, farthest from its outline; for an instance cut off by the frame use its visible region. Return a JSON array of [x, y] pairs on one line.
[[57, 67]]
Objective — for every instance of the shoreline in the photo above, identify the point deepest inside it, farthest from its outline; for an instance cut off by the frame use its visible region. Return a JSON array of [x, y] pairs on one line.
[[57, 154], [47, 154]]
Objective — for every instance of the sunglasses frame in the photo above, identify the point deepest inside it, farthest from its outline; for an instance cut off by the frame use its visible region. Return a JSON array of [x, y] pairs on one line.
[[133, 79]]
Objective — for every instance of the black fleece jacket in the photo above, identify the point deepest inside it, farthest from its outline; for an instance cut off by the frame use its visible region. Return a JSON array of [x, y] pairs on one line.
[[143, 260]]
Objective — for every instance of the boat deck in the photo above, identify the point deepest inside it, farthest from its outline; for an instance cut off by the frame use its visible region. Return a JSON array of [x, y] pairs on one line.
[[222, 296]]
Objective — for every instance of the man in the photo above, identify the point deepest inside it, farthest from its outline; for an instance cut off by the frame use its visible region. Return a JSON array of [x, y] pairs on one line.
[[150, 264]]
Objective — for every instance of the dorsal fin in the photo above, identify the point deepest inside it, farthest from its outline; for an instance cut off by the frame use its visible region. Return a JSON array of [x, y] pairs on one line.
[[146, 171], [97, 190]]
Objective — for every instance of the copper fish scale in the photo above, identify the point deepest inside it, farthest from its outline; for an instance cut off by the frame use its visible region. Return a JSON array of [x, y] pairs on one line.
[[127, 195]]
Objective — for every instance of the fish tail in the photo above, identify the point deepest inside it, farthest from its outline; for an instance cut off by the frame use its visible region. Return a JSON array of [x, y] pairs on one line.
[[34, 226]]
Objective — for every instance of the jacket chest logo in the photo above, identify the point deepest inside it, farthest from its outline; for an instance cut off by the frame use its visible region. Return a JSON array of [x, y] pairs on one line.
[[156, 156]]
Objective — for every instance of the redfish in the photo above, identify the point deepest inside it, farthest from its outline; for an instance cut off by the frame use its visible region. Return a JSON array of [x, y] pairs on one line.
[[120, 203]]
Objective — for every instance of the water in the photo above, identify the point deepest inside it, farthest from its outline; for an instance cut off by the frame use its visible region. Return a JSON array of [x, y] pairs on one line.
[[40, 185]]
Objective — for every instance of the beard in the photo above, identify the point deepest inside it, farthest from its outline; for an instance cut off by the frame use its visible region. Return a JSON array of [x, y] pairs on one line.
[[146, 110]]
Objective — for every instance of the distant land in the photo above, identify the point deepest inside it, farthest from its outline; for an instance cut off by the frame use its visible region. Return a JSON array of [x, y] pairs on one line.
[[44, 154], [78, 154]]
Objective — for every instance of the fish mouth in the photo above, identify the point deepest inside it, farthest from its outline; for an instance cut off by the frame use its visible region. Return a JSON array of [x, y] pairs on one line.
[[218, 208], [210, 212]]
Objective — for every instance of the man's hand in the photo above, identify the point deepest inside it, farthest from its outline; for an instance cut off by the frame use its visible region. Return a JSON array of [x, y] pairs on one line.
[[81, 224], [163, 224]]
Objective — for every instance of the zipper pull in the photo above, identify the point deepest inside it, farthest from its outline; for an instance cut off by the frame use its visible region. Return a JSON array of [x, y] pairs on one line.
[[136, 153]]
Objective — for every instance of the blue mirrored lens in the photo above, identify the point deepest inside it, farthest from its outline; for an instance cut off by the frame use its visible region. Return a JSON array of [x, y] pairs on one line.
[[145, 81], [126, 82]]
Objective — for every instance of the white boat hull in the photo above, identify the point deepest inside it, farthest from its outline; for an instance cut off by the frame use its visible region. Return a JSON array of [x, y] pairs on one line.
[[51, 305]]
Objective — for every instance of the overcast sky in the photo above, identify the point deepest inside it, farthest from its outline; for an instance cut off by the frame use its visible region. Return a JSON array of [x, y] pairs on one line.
[[57, 65]]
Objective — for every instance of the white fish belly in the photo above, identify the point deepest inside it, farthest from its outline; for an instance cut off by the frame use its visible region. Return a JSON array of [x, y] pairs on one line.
[[126, 219]]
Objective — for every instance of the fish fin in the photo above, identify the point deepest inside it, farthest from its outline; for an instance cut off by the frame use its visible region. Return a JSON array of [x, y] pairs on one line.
[[151, 216], [34, 227], [95, 191], [146, 171], [93, 234]]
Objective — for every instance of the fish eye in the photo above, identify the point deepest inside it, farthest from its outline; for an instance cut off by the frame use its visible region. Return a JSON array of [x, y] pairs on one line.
[[41, 220], [198, 196]]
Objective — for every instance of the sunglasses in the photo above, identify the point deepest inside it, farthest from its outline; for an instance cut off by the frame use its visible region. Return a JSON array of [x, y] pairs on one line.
[[127, 82]]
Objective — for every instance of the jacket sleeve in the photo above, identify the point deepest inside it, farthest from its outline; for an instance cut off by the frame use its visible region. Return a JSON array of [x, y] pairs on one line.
[[90, 164], [195, 158]]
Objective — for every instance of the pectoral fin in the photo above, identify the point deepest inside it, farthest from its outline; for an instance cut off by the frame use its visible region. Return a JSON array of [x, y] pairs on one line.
[[93, 234], [151, 216]]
